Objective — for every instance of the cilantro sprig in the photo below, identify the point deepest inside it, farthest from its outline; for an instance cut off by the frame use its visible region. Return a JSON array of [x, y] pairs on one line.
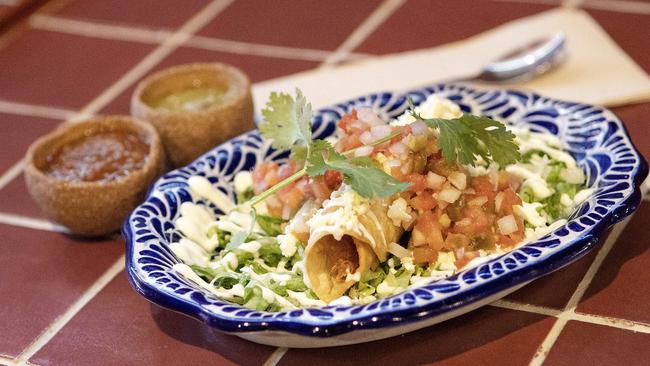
[[464, 139], [287, 121]]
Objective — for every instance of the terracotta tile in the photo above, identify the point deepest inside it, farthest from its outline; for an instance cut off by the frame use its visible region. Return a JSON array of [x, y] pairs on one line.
[[158, 13], [63, 70], [15, 199], [43, 273], [17, 133], [483, 337], [119, 327], [555, 289], [589, 344], [624, 275], [629, 30], [635, 118], [425, 23], [296, 23], [258, 68]]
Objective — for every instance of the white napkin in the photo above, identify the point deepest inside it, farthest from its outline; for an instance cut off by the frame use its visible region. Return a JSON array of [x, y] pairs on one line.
[[597, 70]]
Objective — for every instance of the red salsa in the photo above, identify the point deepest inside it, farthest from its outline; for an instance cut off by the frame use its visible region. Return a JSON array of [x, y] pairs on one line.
[[103, 156]]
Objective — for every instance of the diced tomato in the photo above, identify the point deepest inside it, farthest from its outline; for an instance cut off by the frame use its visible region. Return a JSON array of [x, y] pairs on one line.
[[510, 198], [264, 176], [286, 170], [484, 187], [423, 201], [349, 142], [467, 257], [418, 182], [427, 231], [347, 119], [424, 254], [292, 198], [475, 220], [333, 179], [320, 188]]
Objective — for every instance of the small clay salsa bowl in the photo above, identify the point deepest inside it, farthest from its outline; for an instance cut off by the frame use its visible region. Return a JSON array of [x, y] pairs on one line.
[[88, 176], [195, 107]]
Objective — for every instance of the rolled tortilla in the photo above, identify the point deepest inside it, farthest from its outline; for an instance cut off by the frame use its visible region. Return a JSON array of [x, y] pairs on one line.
[[348, 236]]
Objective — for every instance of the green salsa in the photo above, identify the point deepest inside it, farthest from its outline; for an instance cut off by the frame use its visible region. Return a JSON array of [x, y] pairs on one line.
[[191, 100]]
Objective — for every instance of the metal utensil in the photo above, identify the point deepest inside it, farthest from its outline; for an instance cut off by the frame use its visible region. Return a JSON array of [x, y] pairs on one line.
[[526, 62]]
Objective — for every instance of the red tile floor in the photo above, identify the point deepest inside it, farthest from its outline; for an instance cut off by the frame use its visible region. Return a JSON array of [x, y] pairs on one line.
[[65, 301]]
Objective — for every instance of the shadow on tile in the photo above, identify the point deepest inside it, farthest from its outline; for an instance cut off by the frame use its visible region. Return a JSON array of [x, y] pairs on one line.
[[192, 332]]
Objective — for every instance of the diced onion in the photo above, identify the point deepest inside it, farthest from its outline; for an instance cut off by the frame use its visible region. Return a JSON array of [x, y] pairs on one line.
[[478, 201], [498, 200], [507, 225], [449, 195], [397, 148], [363, 151], [458, 179], [366, 138], [434, 181], [369, 116], [379, 132], [393, 163], [398, 250], [419, 128]]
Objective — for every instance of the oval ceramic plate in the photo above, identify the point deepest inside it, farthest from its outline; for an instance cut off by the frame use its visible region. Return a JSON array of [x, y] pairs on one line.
[[593, 135]]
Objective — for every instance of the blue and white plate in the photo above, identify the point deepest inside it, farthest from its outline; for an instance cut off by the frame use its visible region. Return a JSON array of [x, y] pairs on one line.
[[593, 135]]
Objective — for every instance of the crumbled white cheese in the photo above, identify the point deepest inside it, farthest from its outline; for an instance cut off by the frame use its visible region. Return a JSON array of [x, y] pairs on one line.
[[243, 181], [288, 244], [432, 107], [528, 212]]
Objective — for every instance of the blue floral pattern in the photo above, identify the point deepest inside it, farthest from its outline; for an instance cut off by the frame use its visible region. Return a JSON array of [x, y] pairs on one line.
[[593, 135]]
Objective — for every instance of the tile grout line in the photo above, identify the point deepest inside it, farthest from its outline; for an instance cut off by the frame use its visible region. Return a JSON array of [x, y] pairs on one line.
[[569, 309], [35, 110], [369, 25], [275, 357], [613, 322], [8, 361], [199, 20], [11, 173], [632, 7], [148, 36], [63, 319], [30, 223]]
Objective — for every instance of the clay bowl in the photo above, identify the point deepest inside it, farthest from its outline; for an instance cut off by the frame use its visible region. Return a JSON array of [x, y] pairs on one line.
[[92, 208], [188, 134]]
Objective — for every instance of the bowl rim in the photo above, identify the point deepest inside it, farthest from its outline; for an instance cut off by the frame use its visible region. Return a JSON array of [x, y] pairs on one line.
[[142, 109], [125, 123], [570, 251]]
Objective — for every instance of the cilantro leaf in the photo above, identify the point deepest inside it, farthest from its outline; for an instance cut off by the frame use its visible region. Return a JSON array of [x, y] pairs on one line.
[[464, 139], [360, 173], [287, 121]]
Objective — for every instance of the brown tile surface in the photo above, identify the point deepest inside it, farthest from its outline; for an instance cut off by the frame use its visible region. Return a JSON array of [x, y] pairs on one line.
[[258, 68], [426, 23], [61, 69], [119, 327], [17, 133], [153, 13], [297, 23], [481, 337], [589, 344], [636, 118], [15, 199], [629, 30], [555, 289], [42, 274], [624, 275]]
